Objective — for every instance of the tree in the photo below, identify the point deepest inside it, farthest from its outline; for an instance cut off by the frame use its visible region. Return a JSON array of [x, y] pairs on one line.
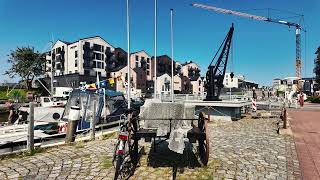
[[317, 65], [27, 64]]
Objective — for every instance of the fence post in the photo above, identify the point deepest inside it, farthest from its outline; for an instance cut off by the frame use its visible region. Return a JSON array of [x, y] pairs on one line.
[[30, 142], [93, 122]]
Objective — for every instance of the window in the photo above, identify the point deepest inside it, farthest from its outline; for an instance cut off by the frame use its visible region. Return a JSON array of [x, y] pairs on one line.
[[97, 47], [199, 82], [58, 50], [137, 58], [142, 58], [76, 54], [97, 56], [137, 64], [76, 71], [87, 44], [148, 60], [46, 100], [148, 66], [148, 73], [99, 65], [76, 63]]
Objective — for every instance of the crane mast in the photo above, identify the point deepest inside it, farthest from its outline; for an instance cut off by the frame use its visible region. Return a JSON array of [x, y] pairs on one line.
[[261, 18]]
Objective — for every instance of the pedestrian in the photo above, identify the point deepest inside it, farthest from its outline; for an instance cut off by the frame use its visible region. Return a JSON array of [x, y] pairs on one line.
[[301, 99], [13, 115]]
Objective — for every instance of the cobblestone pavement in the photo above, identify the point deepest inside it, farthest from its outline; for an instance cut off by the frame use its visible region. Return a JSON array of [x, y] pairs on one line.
[[91, 160], [245, 149]]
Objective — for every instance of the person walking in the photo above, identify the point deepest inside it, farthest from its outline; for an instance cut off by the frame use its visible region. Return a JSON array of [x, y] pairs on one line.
[[301, 99], [13, 116]]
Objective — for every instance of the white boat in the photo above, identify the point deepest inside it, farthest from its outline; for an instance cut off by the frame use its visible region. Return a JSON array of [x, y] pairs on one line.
[[51, 102]]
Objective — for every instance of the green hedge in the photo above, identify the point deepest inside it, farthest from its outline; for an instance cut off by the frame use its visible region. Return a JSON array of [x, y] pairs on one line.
[[313, 99], [16, 94]]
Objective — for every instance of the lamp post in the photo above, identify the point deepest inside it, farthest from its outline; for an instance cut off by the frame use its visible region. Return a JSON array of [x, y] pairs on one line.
[[52, 75], [155, 49], [128, 56], [172, 73]]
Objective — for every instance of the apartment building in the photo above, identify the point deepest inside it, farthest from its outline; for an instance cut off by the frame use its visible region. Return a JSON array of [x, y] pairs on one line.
[[142, 60], [163, 65], [78, 61], [198, 86], [177, 84], [122, 75], [84, 59], [190, 69], [164, 84]]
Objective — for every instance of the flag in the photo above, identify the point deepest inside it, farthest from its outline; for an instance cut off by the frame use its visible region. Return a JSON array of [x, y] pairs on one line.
[[103, 84], [92, 86]]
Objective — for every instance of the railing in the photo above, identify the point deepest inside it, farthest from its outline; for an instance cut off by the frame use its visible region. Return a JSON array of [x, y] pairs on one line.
[[190, 97]]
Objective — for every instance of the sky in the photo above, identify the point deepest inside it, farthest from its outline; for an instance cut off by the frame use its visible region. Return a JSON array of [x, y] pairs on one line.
[[261, 51]]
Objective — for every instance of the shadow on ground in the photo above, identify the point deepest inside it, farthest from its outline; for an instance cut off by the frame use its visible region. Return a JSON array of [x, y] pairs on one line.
[[129, 167], [162, 156]]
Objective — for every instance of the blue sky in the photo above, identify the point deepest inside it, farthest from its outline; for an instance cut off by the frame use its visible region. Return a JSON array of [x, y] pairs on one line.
[[262, 51]]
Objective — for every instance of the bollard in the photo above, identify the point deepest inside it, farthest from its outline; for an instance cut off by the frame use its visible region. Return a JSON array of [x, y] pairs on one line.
[[30, 142], [93, 122], [209, 113], [74, 116], [284, 118]]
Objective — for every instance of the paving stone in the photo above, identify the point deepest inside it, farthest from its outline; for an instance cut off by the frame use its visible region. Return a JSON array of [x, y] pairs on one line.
[[244, 149]]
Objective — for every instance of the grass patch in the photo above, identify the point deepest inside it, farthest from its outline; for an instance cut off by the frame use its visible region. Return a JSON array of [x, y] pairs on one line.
[[23, 154], [107, 162], [33, 152], [109, 136], [79, 144]]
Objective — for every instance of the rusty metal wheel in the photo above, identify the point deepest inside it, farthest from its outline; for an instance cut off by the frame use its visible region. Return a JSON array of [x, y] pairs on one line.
[[203, 141]]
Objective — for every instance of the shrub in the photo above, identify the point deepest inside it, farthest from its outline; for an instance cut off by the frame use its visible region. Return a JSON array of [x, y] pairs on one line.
[[313, 99]]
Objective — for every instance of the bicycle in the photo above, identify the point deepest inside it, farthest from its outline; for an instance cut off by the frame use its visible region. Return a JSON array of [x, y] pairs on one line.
[[124, 145]]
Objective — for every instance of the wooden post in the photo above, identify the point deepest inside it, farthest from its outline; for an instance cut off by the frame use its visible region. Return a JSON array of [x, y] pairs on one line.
[[285, 118], [71, 131], [73, 119], [30, 141], [209, 113], [93, 121]]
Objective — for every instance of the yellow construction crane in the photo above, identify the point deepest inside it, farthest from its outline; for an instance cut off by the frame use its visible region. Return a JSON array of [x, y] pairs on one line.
[[261, 18]]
